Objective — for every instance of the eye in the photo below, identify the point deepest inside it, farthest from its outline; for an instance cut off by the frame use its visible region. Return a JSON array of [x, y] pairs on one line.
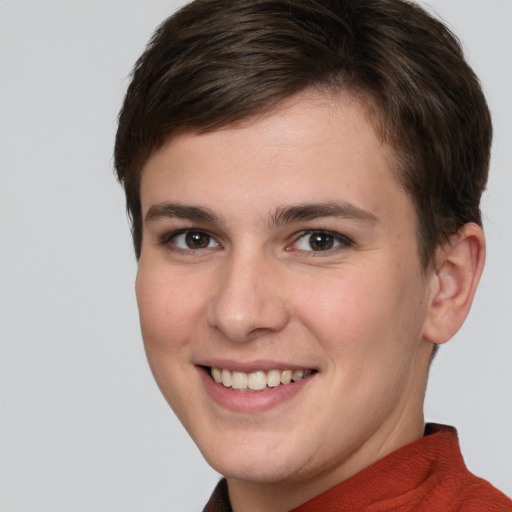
[[192, 240], [319, 241]]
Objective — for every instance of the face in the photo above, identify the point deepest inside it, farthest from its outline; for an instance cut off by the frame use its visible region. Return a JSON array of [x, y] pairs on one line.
[[278, 249]]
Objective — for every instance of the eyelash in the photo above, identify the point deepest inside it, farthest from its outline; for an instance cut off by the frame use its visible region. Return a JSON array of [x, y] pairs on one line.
[[337, 240]]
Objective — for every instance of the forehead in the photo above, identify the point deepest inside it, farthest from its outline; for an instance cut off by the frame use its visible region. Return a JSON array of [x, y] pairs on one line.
[[313, 147]]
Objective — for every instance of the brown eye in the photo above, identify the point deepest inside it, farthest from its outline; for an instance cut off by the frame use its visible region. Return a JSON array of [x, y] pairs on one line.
[[197, 240], [321, 241], [191, 240]]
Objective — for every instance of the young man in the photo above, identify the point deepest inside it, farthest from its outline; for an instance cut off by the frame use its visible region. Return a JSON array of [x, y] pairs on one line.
[[303, 179]]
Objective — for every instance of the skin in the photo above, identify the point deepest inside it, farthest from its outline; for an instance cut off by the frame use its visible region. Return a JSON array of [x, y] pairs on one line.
[[362, 314]]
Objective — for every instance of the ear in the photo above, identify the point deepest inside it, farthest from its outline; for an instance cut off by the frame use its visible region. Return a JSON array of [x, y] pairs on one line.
[[458, 267]]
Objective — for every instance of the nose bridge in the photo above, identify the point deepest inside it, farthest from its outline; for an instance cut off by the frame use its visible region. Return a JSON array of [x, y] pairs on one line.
[[249, 298]]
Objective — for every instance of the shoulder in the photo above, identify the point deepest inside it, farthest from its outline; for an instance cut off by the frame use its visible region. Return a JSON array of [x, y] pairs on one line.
[[461, 490], [478, 495]]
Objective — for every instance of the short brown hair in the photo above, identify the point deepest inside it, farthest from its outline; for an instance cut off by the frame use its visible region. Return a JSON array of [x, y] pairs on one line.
[[215, 62]]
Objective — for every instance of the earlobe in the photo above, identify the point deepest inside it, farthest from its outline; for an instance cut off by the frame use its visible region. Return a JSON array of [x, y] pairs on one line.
[[459, 265]]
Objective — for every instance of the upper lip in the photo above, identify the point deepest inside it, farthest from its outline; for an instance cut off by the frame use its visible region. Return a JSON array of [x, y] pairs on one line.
[[252, 366]]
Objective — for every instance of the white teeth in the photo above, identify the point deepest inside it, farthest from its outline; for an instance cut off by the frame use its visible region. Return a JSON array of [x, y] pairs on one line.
[[257, 381], [273, 378], [286, 377], [226, 378], [297, 375], [217, 375], [239, 380]]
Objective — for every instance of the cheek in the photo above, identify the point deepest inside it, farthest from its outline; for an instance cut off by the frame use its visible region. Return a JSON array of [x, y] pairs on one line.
[[170, 307], [168, 311], [364, 313]]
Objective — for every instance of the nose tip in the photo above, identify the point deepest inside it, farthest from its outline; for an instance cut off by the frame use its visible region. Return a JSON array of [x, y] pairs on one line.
[[247, 304], [241, 321]]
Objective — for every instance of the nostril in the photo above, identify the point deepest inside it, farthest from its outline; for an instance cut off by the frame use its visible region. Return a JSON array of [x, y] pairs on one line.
[[249, 320]]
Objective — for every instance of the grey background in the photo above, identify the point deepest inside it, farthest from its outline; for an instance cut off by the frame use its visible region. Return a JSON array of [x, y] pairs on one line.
[[82, 425]]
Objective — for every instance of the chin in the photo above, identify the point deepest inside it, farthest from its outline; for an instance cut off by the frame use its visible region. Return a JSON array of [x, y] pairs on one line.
[[258, 459], [258, 471]]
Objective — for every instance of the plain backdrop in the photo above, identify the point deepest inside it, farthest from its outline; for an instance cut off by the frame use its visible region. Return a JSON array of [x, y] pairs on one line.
[[83, 427]]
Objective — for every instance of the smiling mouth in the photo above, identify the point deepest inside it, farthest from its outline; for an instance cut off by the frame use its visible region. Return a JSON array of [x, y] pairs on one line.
[[259, 380]]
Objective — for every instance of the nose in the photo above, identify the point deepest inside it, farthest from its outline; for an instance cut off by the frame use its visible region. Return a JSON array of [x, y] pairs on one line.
[[249, 299]]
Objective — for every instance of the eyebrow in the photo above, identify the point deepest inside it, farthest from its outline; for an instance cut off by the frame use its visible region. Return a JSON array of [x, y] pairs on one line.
[[181, 211], [282, 216], [312, 211]]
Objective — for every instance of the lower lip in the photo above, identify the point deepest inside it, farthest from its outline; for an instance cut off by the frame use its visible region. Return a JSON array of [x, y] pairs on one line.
[[251, 401]]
